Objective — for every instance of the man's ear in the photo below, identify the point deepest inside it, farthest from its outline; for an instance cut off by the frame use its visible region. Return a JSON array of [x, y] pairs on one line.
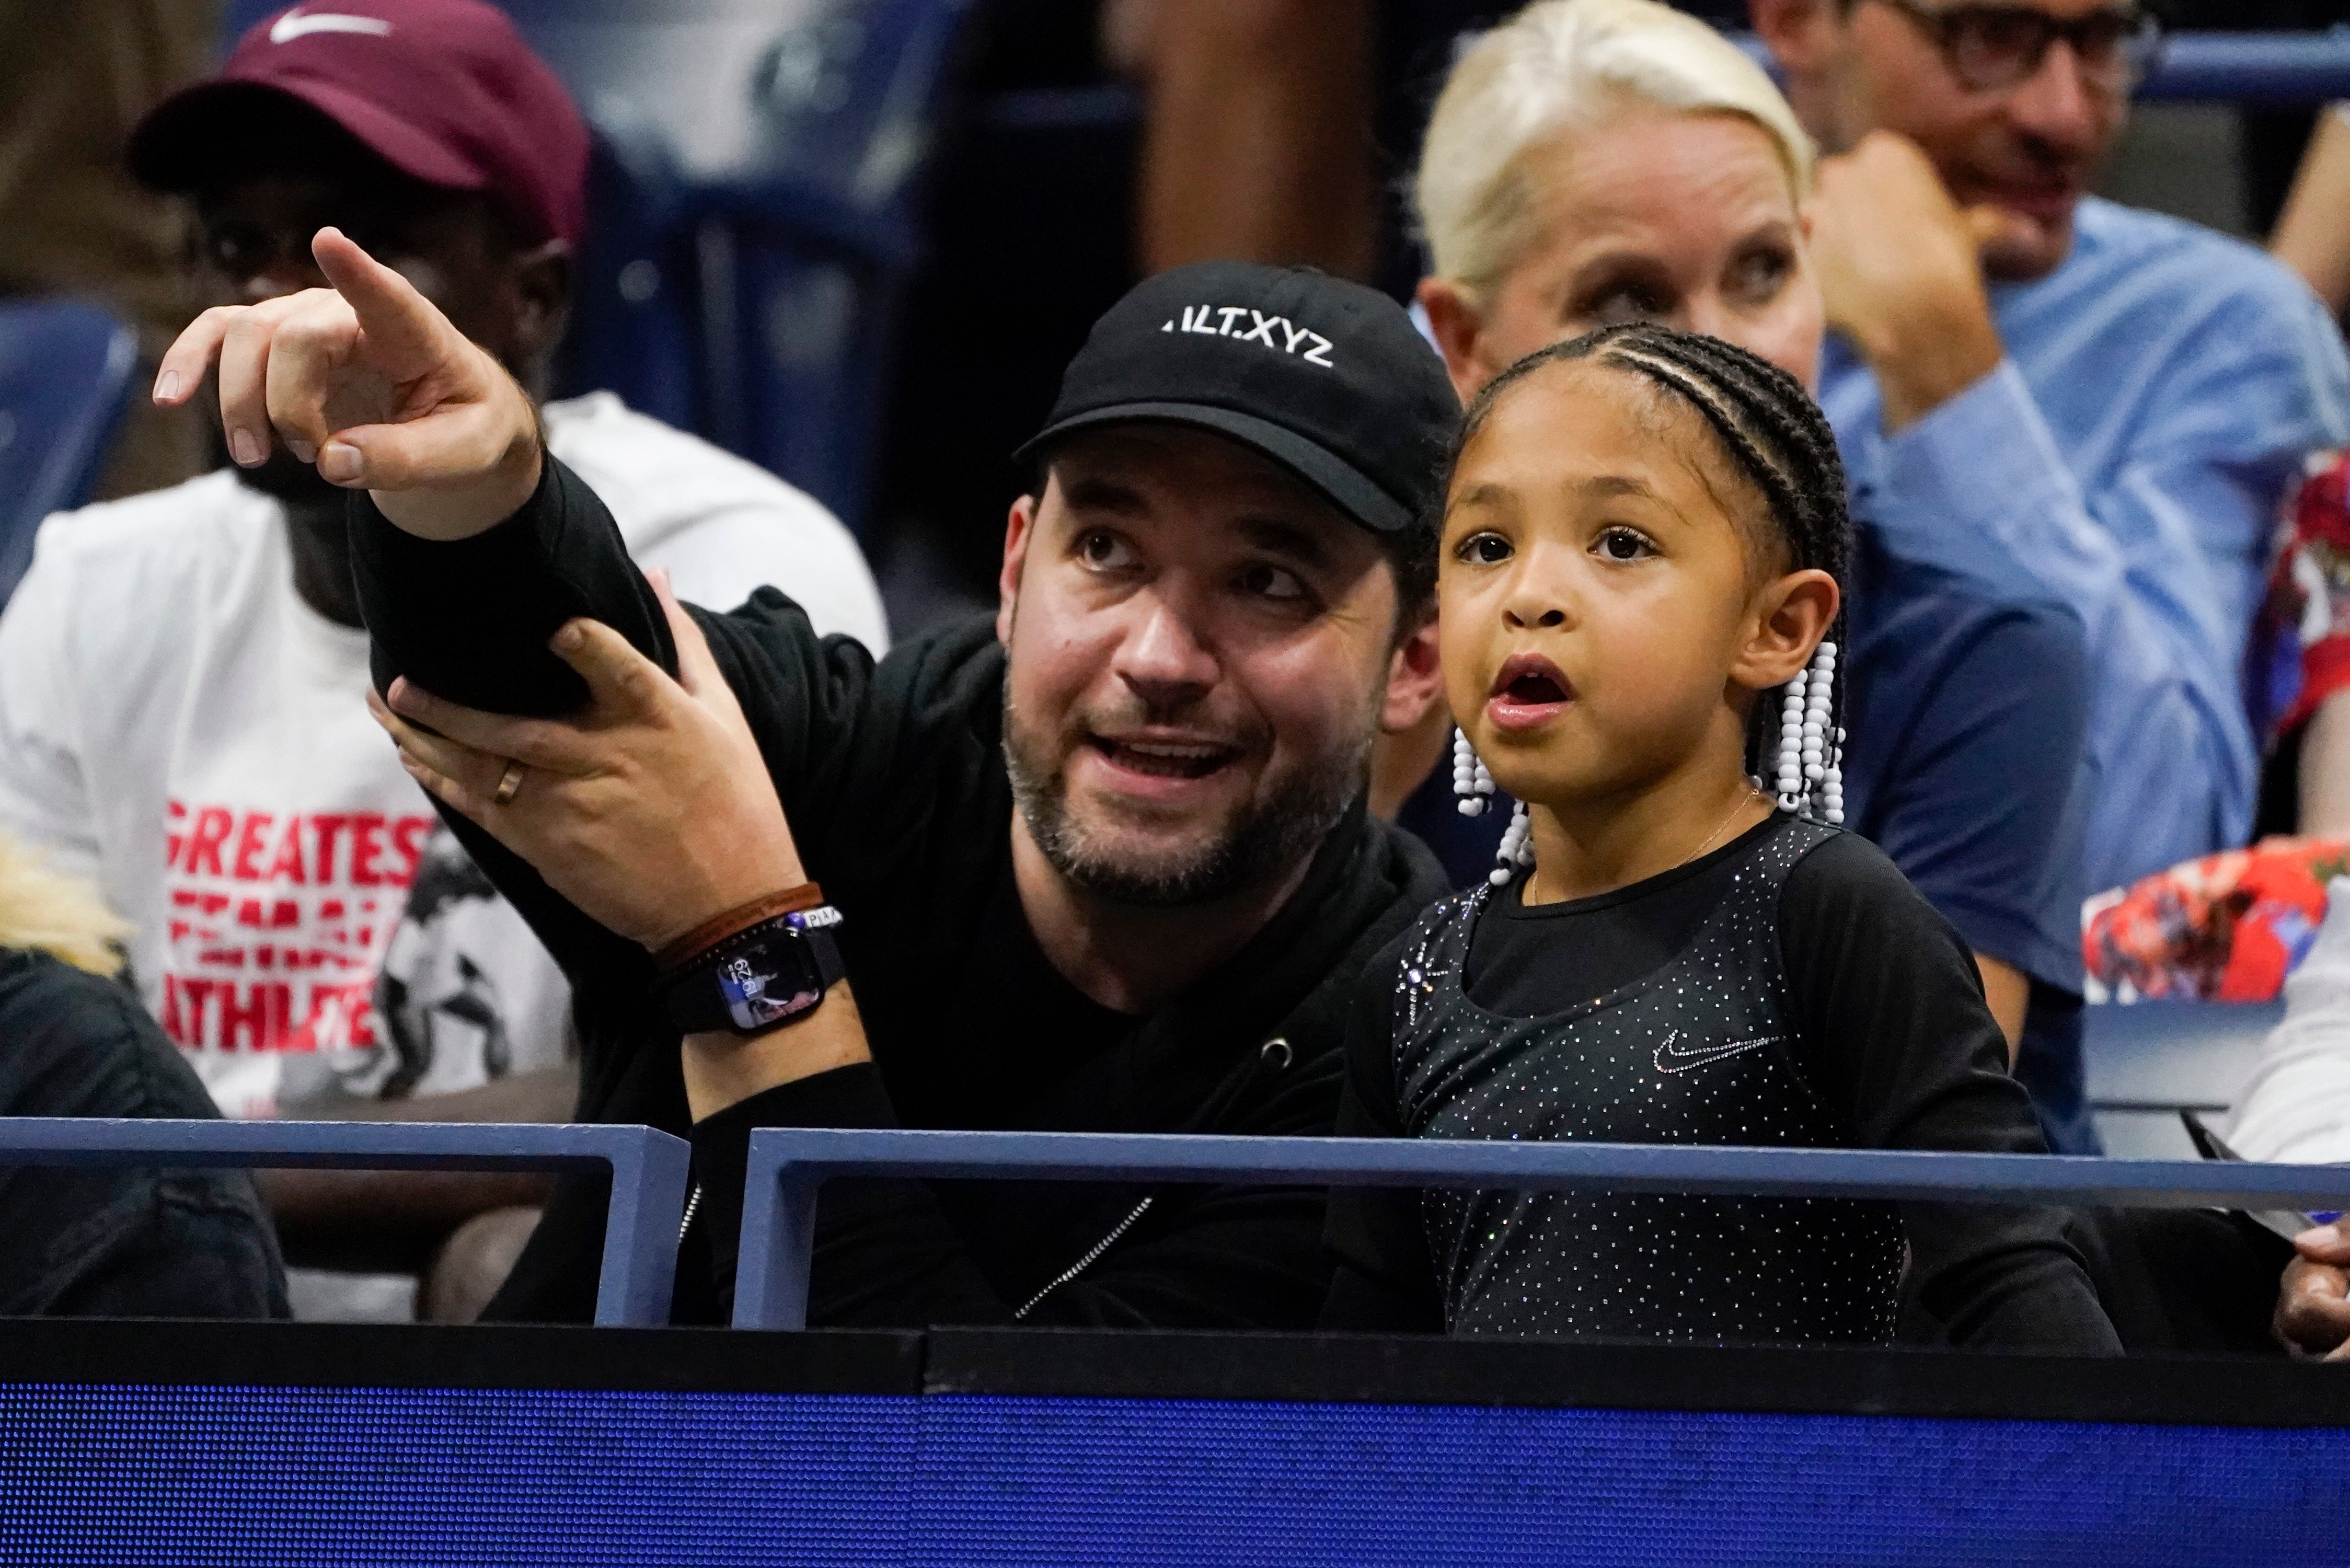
[[1792, 615], [542, 286], [1456, 324], [1415, 681], [1799, 33], [1018, 533]]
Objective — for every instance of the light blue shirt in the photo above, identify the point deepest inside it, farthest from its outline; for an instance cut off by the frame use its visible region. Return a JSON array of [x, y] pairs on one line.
[[2160, 392]]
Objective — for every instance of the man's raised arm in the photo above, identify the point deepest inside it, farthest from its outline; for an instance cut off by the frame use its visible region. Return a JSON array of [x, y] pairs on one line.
[[471, 545]]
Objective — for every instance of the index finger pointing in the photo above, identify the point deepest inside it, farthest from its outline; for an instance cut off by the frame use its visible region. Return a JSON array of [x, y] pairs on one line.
[[404, 331]]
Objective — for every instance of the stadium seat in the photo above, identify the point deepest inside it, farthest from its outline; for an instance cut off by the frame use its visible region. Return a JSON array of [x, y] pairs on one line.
[[66, 369], [2149, 1061]]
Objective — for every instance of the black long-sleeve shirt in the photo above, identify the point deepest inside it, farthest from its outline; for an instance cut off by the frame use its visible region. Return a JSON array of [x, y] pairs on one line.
[[1889, 1031], [892, 777], [116, 1244]]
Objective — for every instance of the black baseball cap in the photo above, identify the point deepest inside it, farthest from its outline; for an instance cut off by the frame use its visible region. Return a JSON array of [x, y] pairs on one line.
[[1326, 378]]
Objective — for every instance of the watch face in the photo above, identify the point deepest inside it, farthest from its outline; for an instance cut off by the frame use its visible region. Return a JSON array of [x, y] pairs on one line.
[[756, 994]]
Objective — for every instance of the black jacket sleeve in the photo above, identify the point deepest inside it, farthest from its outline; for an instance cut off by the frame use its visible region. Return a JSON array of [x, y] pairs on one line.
[[1384, 1280], [470, 620], [1898, 1040]]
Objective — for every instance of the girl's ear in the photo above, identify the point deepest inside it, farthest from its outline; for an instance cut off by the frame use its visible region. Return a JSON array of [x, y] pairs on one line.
[[1790, 615]]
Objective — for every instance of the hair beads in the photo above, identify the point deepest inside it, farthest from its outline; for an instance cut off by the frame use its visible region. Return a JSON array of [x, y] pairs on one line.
[[1517, 847], [1810, 746], [1471, 781], [1474, 786]]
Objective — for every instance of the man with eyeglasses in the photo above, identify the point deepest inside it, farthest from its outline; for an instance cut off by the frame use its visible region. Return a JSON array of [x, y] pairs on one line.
[[182, 674], [2055, 391]]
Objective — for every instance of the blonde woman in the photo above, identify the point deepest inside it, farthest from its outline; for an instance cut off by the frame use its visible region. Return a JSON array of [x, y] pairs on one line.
[[74, 1042]]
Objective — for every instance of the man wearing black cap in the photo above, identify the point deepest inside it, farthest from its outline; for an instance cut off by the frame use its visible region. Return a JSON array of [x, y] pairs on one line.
[[1103, 864]]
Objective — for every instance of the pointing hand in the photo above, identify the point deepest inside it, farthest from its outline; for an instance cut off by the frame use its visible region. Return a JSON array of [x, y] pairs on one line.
[[369, 381]]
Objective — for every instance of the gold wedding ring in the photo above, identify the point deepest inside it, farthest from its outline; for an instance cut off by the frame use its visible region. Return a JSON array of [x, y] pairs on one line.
[[508, 784]]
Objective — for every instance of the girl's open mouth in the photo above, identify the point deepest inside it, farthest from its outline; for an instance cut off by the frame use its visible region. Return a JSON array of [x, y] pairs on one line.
[[1529, 691]]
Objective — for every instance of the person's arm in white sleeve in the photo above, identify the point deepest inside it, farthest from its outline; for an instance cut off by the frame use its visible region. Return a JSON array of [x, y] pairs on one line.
[[2295, 1107]]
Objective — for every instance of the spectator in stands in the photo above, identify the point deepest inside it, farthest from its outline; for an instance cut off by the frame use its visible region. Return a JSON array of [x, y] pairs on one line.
[[1098, 863], [1640, 592], [74, 1042], [182, 674], [1593, 161], [2053, 391]]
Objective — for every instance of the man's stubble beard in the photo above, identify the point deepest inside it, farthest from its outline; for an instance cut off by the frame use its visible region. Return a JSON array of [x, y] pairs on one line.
[[1263, 843]]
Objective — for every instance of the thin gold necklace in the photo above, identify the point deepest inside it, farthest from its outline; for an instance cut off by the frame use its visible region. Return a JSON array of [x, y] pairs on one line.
[[1751, 794]]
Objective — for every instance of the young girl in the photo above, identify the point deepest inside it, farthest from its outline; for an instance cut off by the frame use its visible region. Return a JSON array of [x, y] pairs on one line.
[[1642, 552]]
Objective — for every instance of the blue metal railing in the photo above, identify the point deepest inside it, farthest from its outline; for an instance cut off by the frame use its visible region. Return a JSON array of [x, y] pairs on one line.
[[2252, 67], [788, 1165], [2237, 67], [641, 1230]]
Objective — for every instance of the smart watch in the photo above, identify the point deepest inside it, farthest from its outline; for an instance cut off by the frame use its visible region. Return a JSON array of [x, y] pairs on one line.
[[767, 973]]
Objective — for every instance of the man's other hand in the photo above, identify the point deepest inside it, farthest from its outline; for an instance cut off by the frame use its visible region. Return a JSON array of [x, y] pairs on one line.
[[652, 810], [371, 383], [1899, 274], [2313, 1313]]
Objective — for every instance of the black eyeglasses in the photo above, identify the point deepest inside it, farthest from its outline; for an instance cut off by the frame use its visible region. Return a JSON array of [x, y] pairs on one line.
[[1993, 47]]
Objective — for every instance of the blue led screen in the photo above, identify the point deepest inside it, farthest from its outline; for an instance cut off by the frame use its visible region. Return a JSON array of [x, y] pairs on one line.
[[153, 1476]]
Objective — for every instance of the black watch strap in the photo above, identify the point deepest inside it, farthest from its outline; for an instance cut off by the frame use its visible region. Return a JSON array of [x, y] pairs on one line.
[[767, 974]]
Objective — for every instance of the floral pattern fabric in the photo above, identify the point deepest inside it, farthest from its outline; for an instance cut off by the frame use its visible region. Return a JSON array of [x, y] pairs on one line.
[[2301, 646], [2226, 928]]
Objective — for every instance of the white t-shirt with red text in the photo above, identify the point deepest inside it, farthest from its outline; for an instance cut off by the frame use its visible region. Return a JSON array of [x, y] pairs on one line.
[[179, 725]]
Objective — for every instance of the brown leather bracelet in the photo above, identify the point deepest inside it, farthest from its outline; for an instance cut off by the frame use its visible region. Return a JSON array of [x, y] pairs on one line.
[[682, 952]]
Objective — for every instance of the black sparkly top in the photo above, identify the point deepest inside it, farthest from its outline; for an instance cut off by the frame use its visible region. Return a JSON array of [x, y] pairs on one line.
[[1700, 1050]]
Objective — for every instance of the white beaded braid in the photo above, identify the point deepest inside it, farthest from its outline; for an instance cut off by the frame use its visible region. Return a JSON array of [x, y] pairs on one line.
[[1474, 786], [1471, 781], [1810, 781]]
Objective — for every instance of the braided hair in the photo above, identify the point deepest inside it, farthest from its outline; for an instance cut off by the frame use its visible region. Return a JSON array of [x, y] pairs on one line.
[[1764, 421]]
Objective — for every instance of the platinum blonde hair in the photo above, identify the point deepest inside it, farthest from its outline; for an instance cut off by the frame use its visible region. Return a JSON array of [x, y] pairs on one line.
[[1556, 67], [42, 910]]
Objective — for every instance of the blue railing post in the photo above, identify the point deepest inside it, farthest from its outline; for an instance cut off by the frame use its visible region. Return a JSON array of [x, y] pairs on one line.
[[642, 1227], [771, 1280]]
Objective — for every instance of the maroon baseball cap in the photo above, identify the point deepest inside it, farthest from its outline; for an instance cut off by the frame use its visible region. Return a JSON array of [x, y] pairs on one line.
[[443, 91]]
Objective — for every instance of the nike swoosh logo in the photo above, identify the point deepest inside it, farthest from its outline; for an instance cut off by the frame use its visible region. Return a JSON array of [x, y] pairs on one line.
[[1672, 1058], [296, 24]]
